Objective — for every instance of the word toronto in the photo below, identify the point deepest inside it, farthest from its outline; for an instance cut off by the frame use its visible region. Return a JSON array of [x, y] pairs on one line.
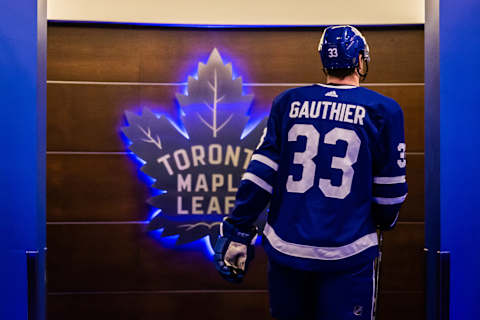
[[213, 154]]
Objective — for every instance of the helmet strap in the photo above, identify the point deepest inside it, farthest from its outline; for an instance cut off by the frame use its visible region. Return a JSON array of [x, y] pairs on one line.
[[325, 72], [363, 76]]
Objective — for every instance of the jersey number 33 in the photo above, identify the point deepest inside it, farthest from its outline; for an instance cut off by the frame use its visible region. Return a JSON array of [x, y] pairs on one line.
[[305, 159]]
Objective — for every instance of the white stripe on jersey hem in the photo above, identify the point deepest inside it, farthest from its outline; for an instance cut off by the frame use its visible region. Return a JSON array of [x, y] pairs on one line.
[[265, 160], [395, 200], [389, 180], [337, 87], [319, 253], [258, 181]]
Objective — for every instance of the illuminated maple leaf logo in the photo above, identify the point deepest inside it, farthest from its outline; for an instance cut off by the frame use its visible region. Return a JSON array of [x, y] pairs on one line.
[[197, 164]]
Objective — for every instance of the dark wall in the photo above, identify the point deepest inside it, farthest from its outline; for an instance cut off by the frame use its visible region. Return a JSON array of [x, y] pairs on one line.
[[101, 262]]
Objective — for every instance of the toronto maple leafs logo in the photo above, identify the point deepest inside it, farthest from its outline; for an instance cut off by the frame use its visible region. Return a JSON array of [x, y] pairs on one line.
[[197, 164]]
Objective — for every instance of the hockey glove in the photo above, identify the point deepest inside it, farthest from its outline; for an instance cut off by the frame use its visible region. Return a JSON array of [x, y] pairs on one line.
[[234, 250]]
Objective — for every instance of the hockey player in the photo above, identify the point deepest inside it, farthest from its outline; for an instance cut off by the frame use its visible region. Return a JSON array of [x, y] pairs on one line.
[[332, 164]]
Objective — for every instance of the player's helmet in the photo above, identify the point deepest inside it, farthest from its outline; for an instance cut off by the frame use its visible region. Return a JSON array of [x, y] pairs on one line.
[[340, 46]]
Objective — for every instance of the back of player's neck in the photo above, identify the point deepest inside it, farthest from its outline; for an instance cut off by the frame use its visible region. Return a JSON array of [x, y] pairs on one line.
[[350, 81]]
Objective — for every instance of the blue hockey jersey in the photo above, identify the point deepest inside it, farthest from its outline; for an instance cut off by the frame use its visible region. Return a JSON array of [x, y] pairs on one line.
[[332, 164]]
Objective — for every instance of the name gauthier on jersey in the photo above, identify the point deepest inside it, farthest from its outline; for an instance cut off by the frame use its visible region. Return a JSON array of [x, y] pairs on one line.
[[328, 110]]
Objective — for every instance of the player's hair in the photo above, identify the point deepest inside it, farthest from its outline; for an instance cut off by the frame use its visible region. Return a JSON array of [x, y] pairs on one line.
[[340, 73], [345, 72]]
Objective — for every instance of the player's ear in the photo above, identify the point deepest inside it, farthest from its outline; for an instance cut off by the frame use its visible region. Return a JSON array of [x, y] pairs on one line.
[[361, 63]]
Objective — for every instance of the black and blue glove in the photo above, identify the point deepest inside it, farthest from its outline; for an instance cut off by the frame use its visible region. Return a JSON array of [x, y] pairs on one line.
[[234, 250]]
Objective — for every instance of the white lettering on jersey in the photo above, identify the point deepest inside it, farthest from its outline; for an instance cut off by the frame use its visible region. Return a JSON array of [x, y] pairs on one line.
[[402, 162], [304, 111], [325, 104], [327, 110], [294, 109]]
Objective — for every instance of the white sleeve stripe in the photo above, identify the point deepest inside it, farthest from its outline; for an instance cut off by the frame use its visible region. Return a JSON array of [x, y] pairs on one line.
[[265, 160], [395, 200], [258, 181], [389, 180]]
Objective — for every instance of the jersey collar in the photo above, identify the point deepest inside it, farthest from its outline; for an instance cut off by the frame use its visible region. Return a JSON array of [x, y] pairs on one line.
[[337, 86]]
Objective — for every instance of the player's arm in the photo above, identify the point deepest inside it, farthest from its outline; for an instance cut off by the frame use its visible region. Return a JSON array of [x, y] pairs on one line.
[[259, 180], [234, 248], [389, 181]]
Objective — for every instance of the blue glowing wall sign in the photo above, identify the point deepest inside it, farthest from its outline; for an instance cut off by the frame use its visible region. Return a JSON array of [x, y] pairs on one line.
[[196, 165]]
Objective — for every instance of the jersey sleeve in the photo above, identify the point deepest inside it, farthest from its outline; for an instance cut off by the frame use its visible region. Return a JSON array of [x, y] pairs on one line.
[[389, 170], [258, 181]]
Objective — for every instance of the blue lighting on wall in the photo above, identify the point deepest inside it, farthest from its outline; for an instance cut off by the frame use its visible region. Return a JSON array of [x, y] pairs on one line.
[[149, 181], [252, 124], [202, 245], [155, 213], [139, 163], [174, 119], [227, 59], [156, 218]]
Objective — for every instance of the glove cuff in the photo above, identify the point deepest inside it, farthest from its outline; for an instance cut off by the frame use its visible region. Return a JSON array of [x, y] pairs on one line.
[[228, 230]]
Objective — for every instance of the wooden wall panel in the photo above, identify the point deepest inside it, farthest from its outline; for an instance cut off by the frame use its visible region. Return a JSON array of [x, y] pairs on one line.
[[414, 207], [89, 117], [411, 100], [123, 257], [202, 305], [112, 188], [401, 305], [237, 305], [101, 261], [260, 55], [100, 54], [403, 260]]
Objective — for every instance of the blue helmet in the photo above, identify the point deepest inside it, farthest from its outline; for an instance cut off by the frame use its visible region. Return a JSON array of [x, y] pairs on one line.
[[340, 46]]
